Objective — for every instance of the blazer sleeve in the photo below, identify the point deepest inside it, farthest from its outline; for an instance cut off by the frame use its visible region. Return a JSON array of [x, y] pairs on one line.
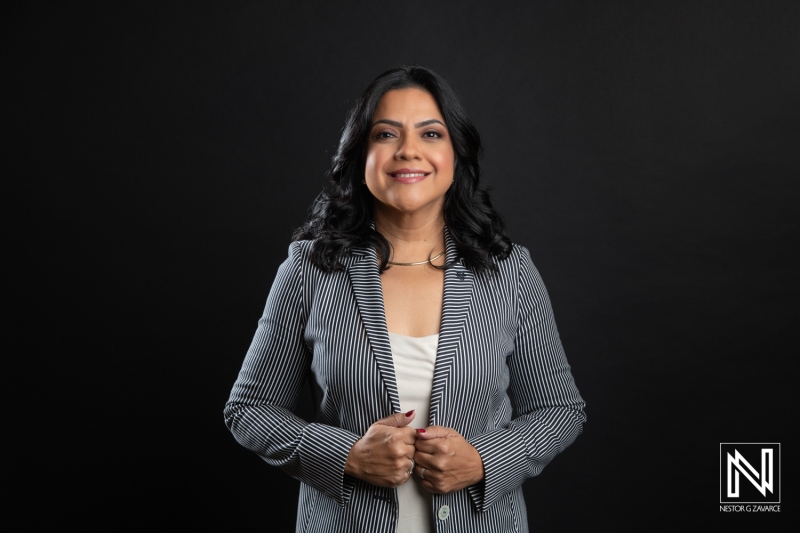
[[259, 411], [548, 405]]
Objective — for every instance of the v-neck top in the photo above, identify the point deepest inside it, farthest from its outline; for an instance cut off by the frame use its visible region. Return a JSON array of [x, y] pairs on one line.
[[414, 360]]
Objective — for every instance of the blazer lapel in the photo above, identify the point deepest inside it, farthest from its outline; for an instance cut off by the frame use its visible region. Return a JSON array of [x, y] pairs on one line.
[[458, 285], [362, 268], [366, 282]]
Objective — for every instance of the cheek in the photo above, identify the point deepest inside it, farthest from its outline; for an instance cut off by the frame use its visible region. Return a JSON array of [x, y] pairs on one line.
[[370, 165], [373, 163], [445, 161]]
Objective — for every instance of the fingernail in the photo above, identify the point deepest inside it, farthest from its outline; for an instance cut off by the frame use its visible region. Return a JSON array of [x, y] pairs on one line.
[[411, 412], [420, 430]]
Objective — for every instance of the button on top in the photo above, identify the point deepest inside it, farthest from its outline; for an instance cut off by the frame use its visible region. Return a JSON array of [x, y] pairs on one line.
[[444, 512]]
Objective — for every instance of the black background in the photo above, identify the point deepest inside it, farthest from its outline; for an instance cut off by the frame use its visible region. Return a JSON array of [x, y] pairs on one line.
[[646, 153]]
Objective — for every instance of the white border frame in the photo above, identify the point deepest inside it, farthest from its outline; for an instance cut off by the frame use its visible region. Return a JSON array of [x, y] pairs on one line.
[[780, 481]]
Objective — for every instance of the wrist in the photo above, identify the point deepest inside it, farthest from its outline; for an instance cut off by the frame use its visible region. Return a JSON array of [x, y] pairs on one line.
[[480, 472], [350, 464]]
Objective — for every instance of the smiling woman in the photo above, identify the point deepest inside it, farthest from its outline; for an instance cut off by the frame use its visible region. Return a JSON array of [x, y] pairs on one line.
[[419, 321], [409, 145]]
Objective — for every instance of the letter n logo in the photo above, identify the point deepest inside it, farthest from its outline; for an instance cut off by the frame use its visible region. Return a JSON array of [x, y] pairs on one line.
[[754, 462]]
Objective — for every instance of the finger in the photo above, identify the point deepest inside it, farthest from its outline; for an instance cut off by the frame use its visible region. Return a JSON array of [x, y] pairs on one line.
[[433, 446], [434, 432], [427, 485], [397, 420], [409, 436], [424, 459], [406, 451]]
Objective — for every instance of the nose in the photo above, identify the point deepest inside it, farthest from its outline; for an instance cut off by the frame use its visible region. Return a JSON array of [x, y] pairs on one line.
[[407, 148]]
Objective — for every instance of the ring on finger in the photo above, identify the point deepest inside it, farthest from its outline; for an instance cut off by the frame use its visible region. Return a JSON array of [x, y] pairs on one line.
[[411, 470], [422, 472]]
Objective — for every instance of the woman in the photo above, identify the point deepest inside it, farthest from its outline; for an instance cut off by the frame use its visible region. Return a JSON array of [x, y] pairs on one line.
[[419, 321]]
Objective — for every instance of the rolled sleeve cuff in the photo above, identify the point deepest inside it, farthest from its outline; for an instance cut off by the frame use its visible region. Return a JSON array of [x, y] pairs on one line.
[[505, 466], [324, 453]]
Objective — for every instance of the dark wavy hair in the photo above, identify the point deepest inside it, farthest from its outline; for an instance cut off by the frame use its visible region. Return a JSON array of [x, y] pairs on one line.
[[341, 219]]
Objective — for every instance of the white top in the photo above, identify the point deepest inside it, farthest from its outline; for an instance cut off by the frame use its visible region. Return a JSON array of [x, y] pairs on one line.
[[414, 359]]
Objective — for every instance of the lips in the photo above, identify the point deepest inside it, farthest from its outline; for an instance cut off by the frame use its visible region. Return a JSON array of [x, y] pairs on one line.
[[409, 175]]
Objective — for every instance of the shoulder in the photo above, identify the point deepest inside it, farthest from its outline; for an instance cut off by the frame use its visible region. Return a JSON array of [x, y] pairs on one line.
[[300, 251], [520, 253], [517, 260], [299, 260], [516, 273], [302, 260]]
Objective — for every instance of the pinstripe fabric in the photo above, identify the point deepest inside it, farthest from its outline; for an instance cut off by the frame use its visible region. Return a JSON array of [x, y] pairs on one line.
[[497, 337]]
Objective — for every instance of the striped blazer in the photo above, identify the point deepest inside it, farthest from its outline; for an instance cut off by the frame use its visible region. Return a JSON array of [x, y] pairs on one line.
[[498, 341]]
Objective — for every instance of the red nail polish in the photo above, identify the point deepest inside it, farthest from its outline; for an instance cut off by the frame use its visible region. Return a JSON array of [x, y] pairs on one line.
[[421, 431], [411, 412]]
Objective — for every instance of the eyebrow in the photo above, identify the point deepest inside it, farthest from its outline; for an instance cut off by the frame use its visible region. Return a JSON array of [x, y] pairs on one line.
[[417, 125]]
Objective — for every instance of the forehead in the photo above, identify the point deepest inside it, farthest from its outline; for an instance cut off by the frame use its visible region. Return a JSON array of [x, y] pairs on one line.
[[409, 102]]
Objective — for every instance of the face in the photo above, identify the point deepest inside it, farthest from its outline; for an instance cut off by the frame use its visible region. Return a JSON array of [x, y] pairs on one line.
[[410, 157]]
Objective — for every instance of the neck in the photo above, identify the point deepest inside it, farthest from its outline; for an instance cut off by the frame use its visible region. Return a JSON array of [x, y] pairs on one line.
[[413, 236]]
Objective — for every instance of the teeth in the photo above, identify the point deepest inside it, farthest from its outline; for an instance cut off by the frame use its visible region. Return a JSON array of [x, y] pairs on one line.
[[415, 175]]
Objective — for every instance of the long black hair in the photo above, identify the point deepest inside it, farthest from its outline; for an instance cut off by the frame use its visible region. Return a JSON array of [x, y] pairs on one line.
[[341, 218]]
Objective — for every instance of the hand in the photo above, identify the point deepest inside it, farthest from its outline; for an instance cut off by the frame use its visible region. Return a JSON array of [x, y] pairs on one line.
[[383, 456], [450, 462]]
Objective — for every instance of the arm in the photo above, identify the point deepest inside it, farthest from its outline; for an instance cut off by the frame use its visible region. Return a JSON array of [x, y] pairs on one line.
[[549, 407], [259, 411]]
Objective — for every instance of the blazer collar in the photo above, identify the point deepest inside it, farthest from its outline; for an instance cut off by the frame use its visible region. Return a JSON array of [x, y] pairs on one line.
[[362, 267]]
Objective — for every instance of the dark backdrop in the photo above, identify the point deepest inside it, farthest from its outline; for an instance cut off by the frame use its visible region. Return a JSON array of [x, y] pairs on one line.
[[646, 153]]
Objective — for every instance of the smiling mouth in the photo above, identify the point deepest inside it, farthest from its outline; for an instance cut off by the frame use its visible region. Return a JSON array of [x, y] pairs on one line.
[[406, 175]]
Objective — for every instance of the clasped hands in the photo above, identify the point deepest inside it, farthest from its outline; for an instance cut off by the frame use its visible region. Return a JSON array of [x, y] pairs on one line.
[[383, 456]]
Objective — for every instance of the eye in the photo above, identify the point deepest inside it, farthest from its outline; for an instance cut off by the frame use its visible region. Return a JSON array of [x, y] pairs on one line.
[[433, 134], [382, 135]]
